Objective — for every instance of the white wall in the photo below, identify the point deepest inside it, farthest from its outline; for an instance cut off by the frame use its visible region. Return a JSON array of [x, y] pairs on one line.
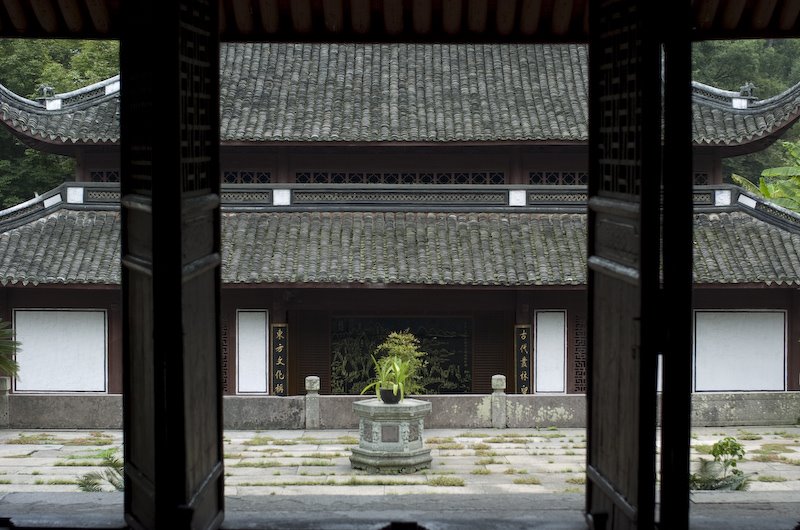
[[251, 352], [550, 351], [740, 350], [61, 350]]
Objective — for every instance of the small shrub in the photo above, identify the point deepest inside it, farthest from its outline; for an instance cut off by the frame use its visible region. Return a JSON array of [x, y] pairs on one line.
[[714, 475], [113, 474]]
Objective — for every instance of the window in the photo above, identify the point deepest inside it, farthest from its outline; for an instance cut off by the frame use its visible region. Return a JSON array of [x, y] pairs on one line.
[[251, 352], [739, 350], [61, 350], [550, 350]]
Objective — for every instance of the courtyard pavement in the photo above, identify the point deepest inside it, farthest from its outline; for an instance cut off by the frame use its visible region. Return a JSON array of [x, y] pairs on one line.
[[303, 479]]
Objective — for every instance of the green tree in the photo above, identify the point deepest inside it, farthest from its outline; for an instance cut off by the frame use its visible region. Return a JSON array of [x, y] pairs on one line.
[[25, 66], [8, 349], [781, 185], [771, 65]]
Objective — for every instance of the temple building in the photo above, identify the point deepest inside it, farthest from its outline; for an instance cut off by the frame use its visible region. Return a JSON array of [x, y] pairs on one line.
[[379, 187]]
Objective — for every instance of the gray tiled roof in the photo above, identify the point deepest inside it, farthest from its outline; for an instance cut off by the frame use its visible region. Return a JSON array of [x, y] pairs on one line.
[[94, 121], [64, 247], [715, 122], [394, 248], [403, 92]]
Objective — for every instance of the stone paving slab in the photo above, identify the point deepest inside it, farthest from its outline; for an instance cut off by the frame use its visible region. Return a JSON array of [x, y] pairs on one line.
[[553, 458]]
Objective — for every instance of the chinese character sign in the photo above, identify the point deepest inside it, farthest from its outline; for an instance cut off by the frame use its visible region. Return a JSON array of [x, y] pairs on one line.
[[280, 359], [522, 359]]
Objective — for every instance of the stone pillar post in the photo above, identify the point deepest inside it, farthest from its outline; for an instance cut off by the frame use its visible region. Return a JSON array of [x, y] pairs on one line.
[[312, 402], [5, 385], [499, 401]]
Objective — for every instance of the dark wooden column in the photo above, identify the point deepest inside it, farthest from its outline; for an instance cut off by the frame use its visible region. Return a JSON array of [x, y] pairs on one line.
[[624, 244], [170, 248], [677, 181]]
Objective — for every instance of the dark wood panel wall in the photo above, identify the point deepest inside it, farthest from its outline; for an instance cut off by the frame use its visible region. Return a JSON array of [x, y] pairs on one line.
[[494, 340], [515, 161], [108, 299], [761, 298]]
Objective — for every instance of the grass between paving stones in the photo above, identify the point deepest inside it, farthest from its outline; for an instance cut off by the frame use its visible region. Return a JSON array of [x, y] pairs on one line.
[[449, 447], [573, 490], [5, 481], [505, 440], [512, 471], [480, 471], [260, 464], [703, 449], [480, 446], [446, 481], [56, 482], [771, 478], [777, 458], [576, 480], [435, 440], [486, 461], [773, 449], [475, 435], [340, 440], [530, 481], [318, 463], [484, 452], [94, 438], [747, 435]]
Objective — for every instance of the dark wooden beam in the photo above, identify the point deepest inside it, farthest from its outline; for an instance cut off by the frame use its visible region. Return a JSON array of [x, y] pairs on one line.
[[762, 14], [477, 12], [788, 17], [422, 13], [530, 14], [333, 13], [71, 12], [562, 17], [243, 16], [451, 16], [101, 18], [360, 18], [302, 21], [505, 14], [393, 16], [17, 15], [270, 16], [732, 14], [705, 13], [45, 14]]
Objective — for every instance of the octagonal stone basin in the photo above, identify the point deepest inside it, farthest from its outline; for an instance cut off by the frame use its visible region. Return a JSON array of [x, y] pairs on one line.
[[390, 436]]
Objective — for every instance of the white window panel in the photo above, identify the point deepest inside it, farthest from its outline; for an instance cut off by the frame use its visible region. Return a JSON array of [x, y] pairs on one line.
[[550, 351], [251, 352], [740, 350], [61, 350]]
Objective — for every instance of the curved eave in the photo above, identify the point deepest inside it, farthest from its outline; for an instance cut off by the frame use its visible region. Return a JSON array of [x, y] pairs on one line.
[[761, 115]]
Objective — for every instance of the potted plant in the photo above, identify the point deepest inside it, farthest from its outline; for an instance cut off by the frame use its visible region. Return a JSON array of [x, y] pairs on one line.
[[397, 367], [391, 376]]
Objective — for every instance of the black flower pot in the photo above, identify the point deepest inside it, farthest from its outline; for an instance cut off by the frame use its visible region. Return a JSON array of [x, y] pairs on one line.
[[389, 397]]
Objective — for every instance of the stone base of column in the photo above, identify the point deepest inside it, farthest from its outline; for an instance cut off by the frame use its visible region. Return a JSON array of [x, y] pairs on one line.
[[390, 436], [389, 462]]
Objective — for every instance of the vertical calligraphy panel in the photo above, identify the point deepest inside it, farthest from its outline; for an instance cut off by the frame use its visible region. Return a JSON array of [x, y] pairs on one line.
[[280, 358], [522, 359]]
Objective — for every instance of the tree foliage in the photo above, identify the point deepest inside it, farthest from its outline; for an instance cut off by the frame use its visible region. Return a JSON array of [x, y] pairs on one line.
[[8, 350], [781, 185], [25, 66], [771, 65]]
